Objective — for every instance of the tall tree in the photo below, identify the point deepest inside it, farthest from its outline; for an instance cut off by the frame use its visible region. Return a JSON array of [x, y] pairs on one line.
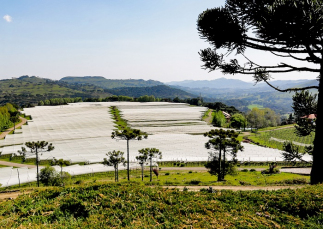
[[114, 159], [151, 153], [36, 148], [61, 163], [128, 134], [142, 158], [290, 29], [238, 120], [14, 118], [221, 141]]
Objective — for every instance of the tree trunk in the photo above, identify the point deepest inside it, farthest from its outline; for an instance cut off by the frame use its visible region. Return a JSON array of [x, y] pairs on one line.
[[116, 173], [142, 172], [219, 174], [128, 170], [151, 165], [317, 168], [37, 167], [223, 168]]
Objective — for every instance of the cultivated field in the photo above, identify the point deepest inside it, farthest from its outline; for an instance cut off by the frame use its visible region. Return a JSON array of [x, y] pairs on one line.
[[81, 132]]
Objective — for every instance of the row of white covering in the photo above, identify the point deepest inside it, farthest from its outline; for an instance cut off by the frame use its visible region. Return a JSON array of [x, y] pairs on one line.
[[11, 176]]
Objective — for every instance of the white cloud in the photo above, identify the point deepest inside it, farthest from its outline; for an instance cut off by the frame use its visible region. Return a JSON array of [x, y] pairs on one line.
[[7, 18]]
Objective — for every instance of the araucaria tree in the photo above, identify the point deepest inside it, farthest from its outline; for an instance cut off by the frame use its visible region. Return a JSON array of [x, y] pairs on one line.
[[150, 153], [114, 159], [222, 141], [36, 148], [61, 163], [290, 29], [142, 158], [128, 134]]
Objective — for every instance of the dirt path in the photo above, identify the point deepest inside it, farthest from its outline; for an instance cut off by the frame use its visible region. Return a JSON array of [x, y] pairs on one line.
[[208, 119], [7, 163], [4, 133], [12, 194]]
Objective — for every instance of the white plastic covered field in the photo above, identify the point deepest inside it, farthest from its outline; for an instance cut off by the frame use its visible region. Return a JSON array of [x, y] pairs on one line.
[[81, 132]]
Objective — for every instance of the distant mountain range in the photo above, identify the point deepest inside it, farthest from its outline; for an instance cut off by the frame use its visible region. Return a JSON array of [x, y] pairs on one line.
[[223, 83], [242, 94]]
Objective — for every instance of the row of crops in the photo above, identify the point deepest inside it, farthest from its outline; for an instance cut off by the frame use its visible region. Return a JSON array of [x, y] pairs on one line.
[[288, 134]]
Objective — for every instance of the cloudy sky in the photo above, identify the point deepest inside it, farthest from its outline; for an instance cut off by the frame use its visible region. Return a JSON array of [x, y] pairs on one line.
[[139, 39]]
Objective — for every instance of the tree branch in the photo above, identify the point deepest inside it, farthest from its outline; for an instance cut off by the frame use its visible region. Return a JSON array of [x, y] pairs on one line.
[[290, 89]]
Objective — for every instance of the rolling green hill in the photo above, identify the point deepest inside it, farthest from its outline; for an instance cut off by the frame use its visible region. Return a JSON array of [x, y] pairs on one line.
[[110, 83], [25, 90]]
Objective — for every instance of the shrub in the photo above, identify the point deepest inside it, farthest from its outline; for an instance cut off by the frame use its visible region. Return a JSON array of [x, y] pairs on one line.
[[190, 171], [75, 207], [195, 182], [269, 171], [244, 170], [166, 174], [49, 176], [252, 170]]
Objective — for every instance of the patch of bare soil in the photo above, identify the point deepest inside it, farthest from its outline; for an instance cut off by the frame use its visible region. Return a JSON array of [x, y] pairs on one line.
[[13, 194]]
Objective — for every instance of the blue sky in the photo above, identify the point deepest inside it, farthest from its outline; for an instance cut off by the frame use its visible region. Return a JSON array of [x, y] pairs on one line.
[[125, 39]]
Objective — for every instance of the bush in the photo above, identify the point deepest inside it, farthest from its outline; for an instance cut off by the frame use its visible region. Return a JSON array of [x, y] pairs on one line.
[[252, 170], [244, 170], [49, 176], [195, 182], [269, 171], [167, 174]]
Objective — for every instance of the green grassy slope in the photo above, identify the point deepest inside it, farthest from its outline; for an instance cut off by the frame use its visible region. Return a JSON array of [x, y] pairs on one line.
[[132, 205]]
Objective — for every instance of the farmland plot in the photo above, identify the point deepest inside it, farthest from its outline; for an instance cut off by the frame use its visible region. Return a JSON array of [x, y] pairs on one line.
[[81, 132]]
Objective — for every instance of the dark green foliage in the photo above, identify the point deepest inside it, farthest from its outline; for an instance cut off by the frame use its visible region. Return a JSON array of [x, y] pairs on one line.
[[304, 103], [49, 176], [133, 205], [222, 142], [74, 208], [272, 169]]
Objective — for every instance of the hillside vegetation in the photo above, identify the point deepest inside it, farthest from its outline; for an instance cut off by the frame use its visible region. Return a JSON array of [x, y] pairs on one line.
[[26, 90], [110, 83], [132, 205], [160, 91]]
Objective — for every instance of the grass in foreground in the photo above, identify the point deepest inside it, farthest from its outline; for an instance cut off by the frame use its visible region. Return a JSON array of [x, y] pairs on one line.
[[132, 205]]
